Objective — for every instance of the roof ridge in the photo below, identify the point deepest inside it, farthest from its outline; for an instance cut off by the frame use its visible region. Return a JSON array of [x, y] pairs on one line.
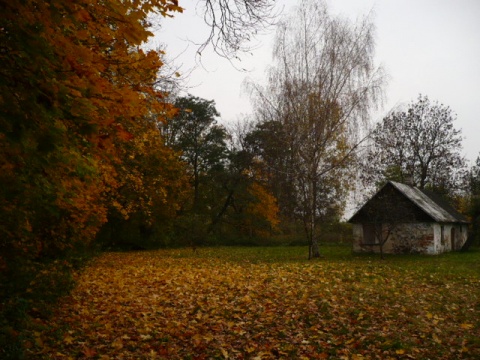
[[430, 204]]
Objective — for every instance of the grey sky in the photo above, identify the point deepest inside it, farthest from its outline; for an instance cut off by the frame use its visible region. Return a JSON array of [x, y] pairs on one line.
[[426, 46]]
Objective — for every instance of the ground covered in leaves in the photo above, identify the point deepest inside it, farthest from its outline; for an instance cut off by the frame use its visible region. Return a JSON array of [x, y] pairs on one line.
[[267, 303]]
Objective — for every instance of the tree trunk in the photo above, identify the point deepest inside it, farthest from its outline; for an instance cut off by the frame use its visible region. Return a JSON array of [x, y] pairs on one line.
[[314, 249]]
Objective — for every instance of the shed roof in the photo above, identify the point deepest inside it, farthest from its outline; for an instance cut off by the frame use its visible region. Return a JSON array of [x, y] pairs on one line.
[[430, 203]]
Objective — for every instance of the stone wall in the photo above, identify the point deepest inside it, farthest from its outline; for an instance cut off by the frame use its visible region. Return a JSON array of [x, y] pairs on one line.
[[405, 238], [445, 243], [418, 238]]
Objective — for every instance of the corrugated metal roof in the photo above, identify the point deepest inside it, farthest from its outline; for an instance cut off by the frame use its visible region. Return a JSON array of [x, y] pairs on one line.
[[438, 212]]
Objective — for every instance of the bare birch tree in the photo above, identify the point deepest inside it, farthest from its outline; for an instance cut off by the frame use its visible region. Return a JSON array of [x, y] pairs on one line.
[[321, 89]]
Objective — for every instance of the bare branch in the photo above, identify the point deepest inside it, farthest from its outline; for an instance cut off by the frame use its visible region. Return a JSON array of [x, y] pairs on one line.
[[321, 89], [234, 23]]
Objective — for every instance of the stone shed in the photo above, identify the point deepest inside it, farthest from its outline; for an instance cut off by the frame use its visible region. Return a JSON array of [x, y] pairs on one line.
[[403, 219]]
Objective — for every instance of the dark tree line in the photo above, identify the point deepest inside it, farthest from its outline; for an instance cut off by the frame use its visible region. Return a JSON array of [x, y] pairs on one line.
[[227, 200]]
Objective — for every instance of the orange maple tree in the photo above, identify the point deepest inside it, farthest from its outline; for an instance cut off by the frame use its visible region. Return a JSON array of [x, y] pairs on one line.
[[76, 92], [76, 86]]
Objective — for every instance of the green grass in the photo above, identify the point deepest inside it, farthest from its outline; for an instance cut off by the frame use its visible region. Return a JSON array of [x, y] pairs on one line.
[[450, 264]]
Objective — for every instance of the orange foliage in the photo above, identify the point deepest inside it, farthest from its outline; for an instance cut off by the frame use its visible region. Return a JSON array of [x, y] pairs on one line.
[[75, 88], [265, 205], [152, 179]]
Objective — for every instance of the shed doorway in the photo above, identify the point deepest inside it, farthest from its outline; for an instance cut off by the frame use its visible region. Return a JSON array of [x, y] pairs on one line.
[[452, 238]]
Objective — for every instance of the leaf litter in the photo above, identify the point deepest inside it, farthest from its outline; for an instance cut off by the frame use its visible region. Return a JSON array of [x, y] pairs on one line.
[[159, 305]]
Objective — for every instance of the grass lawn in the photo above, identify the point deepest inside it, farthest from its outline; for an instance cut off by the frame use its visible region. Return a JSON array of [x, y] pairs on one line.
[[267, 303]]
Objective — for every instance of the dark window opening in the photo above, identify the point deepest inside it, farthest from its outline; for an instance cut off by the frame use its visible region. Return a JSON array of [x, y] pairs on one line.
[[372, 234]]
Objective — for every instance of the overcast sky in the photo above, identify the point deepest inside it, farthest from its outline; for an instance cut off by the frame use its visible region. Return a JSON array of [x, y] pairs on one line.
[[430, 47]]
